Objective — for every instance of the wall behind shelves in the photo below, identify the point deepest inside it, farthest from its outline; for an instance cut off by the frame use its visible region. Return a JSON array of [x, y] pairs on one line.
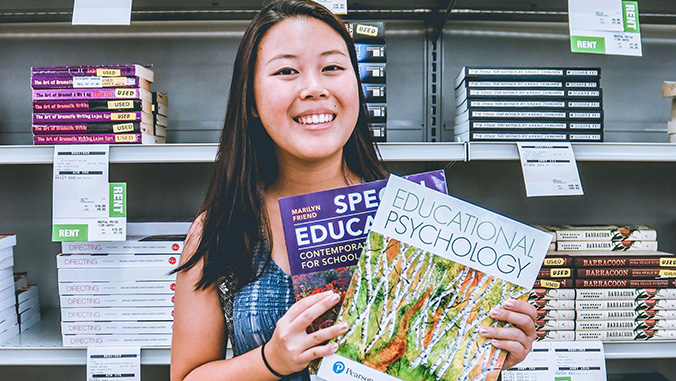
[[632, 86], [193, 64]]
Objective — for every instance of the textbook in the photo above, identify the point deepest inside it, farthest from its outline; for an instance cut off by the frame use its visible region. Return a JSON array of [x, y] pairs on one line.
[[93, 128], [631, 259], [120, 300], [92, 105], [67, 260], [95, 116], [634, 335], [7, 240], [143, 71], [116, 313], [626, 272], [70, 81], [117, 327], [124, 138], [325, 233], [626, 315], [133, 244], [431, 270], [625, 293], [136, 340], [623, 245], [603, 232], [123, 287], [616, 325], [522, 73], [103, 93]]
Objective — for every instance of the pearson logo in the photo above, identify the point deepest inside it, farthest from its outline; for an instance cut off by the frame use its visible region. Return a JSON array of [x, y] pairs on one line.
[[338, 367]]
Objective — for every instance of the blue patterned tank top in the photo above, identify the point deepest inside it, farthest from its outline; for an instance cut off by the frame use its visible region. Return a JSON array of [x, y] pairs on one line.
[[258, 305]]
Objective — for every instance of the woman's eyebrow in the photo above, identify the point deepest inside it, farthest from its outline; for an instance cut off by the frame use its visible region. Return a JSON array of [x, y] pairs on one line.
[[293, 56]]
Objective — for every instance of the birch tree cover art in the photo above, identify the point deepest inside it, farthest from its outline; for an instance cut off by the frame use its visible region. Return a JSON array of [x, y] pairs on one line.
[[416, 316]]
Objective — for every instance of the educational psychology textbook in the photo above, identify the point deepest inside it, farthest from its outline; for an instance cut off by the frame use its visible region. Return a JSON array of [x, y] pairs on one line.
[[325, 232], [431, 270]]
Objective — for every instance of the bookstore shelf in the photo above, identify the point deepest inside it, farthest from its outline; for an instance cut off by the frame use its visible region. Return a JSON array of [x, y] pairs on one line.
[[41, 345], [206, 152], [660, 152]]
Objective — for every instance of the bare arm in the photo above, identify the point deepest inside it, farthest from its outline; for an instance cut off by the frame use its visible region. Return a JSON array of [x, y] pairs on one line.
[[198, 342]]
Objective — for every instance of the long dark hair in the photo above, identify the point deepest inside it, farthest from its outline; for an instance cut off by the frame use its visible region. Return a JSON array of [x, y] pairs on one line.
[[233, 212]]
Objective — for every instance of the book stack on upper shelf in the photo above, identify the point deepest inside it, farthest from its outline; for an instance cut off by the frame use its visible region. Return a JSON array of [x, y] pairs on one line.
[[669, 91], [96, 104], [9, 325], [118, 293], [369, 38], [529, 104]]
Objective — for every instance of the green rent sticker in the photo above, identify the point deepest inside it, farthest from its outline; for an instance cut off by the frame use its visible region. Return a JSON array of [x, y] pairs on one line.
[[586, 44], [564, 378], [118, 199], [69, 233], [630, 16]]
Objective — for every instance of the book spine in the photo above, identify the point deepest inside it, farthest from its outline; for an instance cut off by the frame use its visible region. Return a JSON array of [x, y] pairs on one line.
[[625, 293], [625, 272], [70, 81], [495, 84], [87, 139], [605, 246], [138, 340], [555, 324], [100, 70], [482, 114], [370, 52], [120, 300], [130, 247], [129, 287], [556, 272], [87, 105], [627, 261], [553, 304], [639, 335], [115, 274], [614, 233], [115, 327], [542, 334], [616, 325], [557, 261], [121, 313], [556, 314], [89, 128], [625, 315], [103, 93], [625, 283], [76, 117], [551, 293], [554, 283], [116, 260], [641, 304]]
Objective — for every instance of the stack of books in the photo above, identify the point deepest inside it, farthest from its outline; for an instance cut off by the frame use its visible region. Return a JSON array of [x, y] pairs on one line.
[[94, 104], [9, 325], [369, 38], [604, 238], [669, 91], [529, 104], [27, 306], [118, 293]]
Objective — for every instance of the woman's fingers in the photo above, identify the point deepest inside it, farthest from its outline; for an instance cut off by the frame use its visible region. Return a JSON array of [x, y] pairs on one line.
[[302, 305], [315, 350], [517, 339], [312, 312]]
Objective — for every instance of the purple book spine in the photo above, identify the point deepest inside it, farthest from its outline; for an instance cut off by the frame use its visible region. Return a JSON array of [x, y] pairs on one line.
[[72, 117], [86, 139], [126, 70], [105, 93], [70, 81]]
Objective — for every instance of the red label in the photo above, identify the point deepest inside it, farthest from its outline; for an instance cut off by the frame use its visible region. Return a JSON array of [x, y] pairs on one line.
[[174, 247], [172, 260], [173, 287], [172, 299]]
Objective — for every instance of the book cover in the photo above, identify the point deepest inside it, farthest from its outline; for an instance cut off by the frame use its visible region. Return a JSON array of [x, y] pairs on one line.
[[526, 73], [431, 270], [552, 304], [143, 71], [625, 293], [124, 138], [103, 93], [115, 274], [543, 334], [95, 116], [325, 233], [626, 272], [88, 105], [133, 245], [116, 327], [136, 340], [93, 128]]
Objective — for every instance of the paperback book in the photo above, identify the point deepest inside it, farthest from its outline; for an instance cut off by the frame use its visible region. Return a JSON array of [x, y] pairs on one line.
[[92, 105], [603, 232], [625, 315], [125, 138], [93, 128], [142, 71], [70, 81], [625, 293], [638, 259], [430, 272], [96, 116], [133, 245]]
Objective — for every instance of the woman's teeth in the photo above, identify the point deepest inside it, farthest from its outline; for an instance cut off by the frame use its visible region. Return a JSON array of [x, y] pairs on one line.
[[314, 119]]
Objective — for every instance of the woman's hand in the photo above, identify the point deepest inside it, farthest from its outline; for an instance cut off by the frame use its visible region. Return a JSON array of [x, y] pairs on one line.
[[291, 348], [517, 339]]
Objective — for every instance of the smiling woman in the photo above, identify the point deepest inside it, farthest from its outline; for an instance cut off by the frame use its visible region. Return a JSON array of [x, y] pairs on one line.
[[295, 123]]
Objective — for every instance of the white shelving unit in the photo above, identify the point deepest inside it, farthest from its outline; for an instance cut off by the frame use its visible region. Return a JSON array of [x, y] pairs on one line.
[[611, 152]]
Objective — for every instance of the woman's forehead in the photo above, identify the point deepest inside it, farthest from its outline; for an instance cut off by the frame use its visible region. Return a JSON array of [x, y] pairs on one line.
[[299, 34]]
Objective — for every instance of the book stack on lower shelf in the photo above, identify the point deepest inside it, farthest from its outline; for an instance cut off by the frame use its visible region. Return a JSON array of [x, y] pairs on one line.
[[369, 38], [669, 91], [529, 104], [9, 325], [555, 306], [27, 306], [118, 293], [99, 104]]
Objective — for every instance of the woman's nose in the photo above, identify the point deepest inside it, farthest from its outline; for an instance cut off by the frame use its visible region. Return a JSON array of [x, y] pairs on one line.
[[313, 86]]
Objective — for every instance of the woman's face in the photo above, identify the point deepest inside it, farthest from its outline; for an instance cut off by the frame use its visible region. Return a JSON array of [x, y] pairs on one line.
[[305, 89]]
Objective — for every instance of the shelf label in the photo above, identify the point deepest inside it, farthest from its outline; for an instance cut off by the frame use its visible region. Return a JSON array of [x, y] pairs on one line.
[[338, 7], [113, 364], [604, 27], [85, 207], [561, 361], [549, 169], [101, 12]]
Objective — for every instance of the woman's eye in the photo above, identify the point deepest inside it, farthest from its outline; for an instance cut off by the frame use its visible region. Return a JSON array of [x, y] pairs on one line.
[[286, 71], [333, 68]]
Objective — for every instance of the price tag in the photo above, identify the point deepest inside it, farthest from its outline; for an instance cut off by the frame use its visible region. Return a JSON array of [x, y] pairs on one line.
[[549, 169], [101, 12], [537, 366], [113, 364], [338, 7], [604, 27]]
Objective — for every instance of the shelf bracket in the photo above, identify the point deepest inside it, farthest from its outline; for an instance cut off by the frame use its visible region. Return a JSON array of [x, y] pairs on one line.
[[437, 23]]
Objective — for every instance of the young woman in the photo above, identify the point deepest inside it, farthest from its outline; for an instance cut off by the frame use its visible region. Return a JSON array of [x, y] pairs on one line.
[[295, 123]]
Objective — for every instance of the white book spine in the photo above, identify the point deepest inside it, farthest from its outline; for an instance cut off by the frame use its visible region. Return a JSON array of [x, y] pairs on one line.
[[8, 334], [555, 325], [73, 261], [553, 293], [8, 323], [132, 247], [7, 240], [35, 319], [120, 300], [139, 340], [112, 313], [605, 245], [556, 314], [615, 325], [129, 287], [625, 315], [6, 253], [599, 305], [117, 327], [114, 274], [555, 335], [639, 335], [553, 304], [642, 233], [624, 293]]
